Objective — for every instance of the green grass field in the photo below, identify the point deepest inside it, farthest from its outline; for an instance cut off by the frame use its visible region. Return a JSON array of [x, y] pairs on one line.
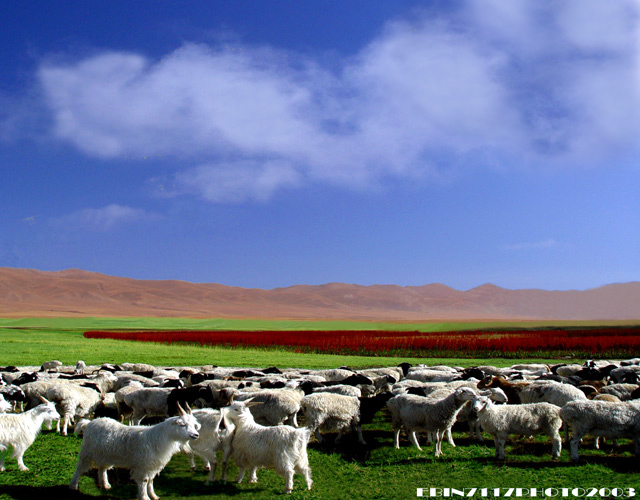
[[348, 471]]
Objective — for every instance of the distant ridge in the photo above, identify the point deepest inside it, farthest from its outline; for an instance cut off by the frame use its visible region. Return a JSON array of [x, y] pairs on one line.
[[73, 292]]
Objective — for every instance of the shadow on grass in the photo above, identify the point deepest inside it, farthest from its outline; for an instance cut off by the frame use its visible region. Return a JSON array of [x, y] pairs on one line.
[[621, 465], [19, 492], [349, 449]]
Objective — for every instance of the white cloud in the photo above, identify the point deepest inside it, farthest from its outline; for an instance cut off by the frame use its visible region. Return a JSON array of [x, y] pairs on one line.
[[536, 245], [103, 219], [509, 83], [236, 182]]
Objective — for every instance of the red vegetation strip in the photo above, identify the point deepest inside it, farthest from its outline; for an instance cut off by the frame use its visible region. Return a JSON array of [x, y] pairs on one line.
[[592, 340]]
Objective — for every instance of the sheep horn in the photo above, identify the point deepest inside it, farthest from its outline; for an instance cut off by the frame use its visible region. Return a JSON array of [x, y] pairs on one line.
[[188, 407], [180, 410], [45, 401]]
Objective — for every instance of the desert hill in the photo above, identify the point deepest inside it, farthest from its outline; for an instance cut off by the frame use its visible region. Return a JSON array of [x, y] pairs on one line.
[[27, 293]]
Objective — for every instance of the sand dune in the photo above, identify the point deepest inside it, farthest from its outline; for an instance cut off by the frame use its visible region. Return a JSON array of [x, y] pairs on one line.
[[26, 292]]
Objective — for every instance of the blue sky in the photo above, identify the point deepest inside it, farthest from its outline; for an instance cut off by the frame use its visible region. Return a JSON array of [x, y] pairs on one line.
[[267, 144]]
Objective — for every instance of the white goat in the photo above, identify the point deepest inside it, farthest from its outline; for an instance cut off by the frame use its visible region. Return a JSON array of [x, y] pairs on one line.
[[602, 418], [19, 430], [283, 448], [211, 439], [420, 414], [5, 406], [143, 450], [522, 419]]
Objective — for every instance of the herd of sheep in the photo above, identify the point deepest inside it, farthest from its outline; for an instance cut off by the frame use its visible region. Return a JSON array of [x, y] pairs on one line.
[[251, 415]]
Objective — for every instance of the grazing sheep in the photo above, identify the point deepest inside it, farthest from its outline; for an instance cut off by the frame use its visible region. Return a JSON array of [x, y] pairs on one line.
[[551, 392], [125, 378], [345, 390], [252, 445], [53, 366], [420, 414], [625, 374], [622, 390], [147, 402], [331, 412], [19, 430], [602, 418], [124, 410], [524, 419], [143, 450], [80, 368], [72, 400], [431, 375], [279, 405]]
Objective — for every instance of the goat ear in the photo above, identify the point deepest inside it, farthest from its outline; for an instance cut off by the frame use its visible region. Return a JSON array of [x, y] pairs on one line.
[[228, 424]]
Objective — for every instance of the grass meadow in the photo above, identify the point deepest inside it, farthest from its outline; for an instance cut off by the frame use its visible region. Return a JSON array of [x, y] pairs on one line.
[[348, 471]]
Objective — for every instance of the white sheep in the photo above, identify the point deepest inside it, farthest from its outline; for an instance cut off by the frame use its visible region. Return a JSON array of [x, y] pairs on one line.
[[420, 414], [523, 419], [73, 400], [279, 405], [623, 391], [51, 365], [19, 430], [345, 390], [602, 418], [143, 450], [282, 448], [331, 412], [80, 368], [125, 411], [552, 392], [147, 402], [431, 375]]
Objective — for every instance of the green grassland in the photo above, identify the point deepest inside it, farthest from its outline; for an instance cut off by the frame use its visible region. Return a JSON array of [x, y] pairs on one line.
[[349, 471]]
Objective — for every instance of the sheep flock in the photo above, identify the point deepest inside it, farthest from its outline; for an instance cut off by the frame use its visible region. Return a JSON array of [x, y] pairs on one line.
[[137, 416]]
